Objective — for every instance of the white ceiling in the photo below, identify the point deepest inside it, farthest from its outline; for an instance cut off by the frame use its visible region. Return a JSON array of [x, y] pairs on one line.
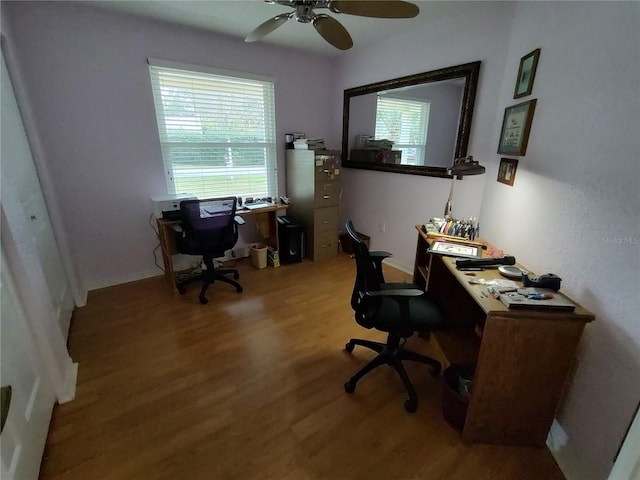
[[239, 17]]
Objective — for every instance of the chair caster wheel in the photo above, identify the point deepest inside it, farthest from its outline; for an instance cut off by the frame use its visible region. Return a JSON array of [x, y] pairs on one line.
[[239, 289], [435, 370], [349, 347], [203, 300], [349, 387], [411, 405], [182, 290]]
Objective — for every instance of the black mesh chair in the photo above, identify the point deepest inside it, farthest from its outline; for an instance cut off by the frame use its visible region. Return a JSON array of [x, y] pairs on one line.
[[209, 228], [400, 310]]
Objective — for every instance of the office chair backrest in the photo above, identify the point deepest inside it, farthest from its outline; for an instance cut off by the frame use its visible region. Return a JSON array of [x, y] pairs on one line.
[[210, 222], [367, 280]]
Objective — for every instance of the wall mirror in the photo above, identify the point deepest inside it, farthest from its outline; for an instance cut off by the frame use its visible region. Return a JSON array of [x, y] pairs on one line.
[[416, 124]]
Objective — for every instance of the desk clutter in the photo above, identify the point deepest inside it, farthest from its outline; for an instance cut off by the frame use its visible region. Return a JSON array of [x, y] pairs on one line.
[[501, 326], [463, 228]]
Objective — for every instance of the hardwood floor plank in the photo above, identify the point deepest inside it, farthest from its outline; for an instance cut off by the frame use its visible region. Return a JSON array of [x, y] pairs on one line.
[[250, 386]]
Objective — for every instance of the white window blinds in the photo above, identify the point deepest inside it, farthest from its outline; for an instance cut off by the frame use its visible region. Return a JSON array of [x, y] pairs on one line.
[[217, 131], [405, 123]]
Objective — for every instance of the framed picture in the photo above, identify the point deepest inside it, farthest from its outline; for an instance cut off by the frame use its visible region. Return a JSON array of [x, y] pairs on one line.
[[526, 74], [452, 249], [507, 171], [516, 126]]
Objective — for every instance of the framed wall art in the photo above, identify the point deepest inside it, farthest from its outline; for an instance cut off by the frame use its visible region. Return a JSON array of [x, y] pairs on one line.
[[526, 74], [507, 171], [516, 126]]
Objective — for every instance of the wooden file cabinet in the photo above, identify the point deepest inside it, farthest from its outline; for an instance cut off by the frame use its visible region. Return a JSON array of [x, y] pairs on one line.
[[523, 357], [313, 185]]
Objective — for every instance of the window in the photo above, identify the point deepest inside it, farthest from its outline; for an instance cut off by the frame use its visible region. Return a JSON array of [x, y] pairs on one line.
[[217, 131], [405, 123]]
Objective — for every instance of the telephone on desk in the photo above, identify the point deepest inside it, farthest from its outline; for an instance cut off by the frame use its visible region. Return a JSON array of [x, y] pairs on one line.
[[547, 280]]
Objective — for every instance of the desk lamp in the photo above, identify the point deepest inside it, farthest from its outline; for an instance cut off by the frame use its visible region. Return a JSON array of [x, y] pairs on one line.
[[461, 166]]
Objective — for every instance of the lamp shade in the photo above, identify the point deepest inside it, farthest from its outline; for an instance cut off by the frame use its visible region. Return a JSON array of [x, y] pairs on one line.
[[466, 166]]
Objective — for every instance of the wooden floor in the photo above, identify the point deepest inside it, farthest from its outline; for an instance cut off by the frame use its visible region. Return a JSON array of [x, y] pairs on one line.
[[250, 386]]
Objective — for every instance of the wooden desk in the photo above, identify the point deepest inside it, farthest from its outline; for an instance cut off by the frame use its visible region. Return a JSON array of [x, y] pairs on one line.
[[522, 358], [265, 218]]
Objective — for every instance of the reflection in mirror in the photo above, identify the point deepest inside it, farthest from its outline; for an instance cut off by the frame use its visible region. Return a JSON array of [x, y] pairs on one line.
[[416, 124]]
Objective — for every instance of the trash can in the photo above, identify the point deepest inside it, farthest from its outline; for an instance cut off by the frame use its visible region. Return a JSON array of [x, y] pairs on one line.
[[258, 254], [290, 236], [457, 382]]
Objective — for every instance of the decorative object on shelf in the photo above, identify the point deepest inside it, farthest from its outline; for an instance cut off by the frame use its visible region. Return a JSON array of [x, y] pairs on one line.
[[526, 74], [507, 170], [516, 126], [461, 166]]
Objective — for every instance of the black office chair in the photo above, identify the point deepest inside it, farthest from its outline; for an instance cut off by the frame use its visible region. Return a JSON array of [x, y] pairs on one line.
[[209, 227], [398, 309]]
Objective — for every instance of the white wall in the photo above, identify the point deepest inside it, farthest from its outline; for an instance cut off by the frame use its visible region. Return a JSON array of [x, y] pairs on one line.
[[86, 80], [574, 208]]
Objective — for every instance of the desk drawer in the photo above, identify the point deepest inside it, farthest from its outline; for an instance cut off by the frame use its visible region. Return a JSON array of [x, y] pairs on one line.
[[325, 245], [327, 194], [325, 220]]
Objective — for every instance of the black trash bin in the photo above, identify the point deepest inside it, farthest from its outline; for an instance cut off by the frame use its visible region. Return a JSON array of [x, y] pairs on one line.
[[290, 238], [454, 403]]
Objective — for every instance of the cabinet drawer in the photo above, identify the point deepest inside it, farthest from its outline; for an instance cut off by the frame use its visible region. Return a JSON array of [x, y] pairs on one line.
[[325, 245], [325, 219], [327, 168], [326, 194]]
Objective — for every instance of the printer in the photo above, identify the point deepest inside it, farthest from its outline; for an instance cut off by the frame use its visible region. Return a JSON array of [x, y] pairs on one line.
[[168, 206]]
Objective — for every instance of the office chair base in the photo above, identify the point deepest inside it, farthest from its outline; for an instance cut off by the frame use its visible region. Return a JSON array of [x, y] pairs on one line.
[[392, 354], [219, 274]]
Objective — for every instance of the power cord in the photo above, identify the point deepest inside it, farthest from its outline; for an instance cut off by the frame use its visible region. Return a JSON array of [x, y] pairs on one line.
[[155, 250]]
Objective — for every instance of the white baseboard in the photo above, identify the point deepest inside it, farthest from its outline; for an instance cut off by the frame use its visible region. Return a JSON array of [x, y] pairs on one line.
[[399, 266], [68, 390]]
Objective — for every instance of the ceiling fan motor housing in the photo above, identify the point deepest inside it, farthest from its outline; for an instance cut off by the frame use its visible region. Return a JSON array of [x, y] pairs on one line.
[[304, 13]]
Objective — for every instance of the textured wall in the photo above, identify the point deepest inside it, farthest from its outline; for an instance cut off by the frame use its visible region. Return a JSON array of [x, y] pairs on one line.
[[574, 208]]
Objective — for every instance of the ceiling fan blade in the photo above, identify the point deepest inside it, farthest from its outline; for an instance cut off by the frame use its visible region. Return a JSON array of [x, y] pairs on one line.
[[333, 32], [267, 27], [375, 8]]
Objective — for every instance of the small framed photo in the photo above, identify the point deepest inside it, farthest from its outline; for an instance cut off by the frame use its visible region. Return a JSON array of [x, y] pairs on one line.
[[516, 126], [526, 74], [452, 249], [507, 171]]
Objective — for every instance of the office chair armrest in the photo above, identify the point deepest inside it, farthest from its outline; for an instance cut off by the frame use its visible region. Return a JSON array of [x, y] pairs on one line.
[[379, 254], [239, 220], [404, 292]]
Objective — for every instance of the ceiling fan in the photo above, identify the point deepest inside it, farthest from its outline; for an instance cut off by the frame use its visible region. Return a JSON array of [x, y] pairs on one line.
[[328, 27]]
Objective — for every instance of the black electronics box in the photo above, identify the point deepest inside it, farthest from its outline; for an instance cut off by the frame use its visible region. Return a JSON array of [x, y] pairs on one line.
[[291, 240]]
